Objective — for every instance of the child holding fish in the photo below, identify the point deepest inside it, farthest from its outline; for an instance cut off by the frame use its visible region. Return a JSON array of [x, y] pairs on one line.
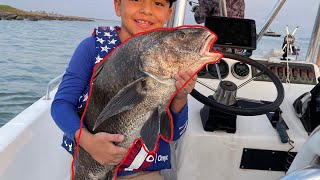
[[136, 16]]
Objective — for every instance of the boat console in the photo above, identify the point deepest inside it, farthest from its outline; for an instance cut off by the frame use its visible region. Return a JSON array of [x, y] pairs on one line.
[[223, 142]]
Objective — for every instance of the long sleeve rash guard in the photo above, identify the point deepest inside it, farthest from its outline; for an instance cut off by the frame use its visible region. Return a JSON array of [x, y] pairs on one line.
[[76, 81]]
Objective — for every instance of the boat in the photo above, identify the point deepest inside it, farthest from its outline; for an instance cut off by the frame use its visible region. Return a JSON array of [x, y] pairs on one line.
[[271, 33], [249, 144]]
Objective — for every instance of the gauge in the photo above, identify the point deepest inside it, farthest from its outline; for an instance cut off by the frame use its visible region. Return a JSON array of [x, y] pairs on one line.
[[223, 67], [240, 70], [202, 71]]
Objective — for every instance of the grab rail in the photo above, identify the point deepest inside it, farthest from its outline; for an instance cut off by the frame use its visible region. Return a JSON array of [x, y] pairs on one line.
[[179, 13], [271, 17], [223, 8], [47, 97], [315, 36]]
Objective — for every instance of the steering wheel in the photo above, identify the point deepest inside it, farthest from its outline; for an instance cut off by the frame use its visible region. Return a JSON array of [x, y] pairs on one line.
[[263, 109]]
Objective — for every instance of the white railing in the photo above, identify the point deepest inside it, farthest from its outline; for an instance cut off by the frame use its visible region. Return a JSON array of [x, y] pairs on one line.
[[47, 96]]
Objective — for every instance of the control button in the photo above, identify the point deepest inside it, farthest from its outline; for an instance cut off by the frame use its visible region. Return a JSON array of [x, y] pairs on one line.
[[295, 72], [304, 73], [280, 72], [310, 74], [287, 71], [274, 70]]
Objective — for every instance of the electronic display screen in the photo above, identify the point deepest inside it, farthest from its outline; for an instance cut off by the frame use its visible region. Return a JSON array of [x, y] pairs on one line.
[[233, 32]]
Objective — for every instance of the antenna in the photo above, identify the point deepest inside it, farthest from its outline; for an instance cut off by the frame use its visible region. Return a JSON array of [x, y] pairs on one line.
[[289, 40], [288, 44]]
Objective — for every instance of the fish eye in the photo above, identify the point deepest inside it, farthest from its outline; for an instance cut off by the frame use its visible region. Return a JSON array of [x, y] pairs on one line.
[[181, 35]]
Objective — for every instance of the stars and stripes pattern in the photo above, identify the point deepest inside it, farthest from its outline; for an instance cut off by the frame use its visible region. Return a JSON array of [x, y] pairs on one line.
[[106, 40]]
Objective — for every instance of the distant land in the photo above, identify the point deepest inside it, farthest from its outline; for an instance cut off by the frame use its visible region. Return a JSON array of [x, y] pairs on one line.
[[11, 13]]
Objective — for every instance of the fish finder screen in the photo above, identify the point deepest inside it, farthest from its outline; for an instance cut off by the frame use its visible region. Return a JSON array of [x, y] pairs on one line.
[[233, 32]]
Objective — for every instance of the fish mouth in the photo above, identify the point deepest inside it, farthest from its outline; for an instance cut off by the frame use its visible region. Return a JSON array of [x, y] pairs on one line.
[[205, 50], [207, 57]]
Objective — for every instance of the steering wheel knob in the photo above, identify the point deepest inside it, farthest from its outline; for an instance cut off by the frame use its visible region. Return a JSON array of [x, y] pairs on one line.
[[226, 93]]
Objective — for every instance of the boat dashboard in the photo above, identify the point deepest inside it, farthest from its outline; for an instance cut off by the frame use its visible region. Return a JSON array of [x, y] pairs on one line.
[[299, 72]]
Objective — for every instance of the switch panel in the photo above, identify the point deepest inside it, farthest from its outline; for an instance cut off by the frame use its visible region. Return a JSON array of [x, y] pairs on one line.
[[298, 73]]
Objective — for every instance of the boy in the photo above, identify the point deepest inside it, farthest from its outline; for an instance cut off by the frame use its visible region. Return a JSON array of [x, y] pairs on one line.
[[136, 16]]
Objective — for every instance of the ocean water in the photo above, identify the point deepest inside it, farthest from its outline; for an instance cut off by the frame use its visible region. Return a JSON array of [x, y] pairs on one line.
[[31, 54], [34, 52]]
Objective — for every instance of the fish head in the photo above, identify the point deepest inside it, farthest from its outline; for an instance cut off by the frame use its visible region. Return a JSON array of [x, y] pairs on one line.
[[178, 49]]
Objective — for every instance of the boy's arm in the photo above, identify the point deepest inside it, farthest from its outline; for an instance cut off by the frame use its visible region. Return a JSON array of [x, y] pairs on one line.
[[64, 108], [180, 122], [180, 100], [74, 82], [178, 107]]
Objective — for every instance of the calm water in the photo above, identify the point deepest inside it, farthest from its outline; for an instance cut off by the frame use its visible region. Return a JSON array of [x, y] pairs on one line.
[[33, 53]]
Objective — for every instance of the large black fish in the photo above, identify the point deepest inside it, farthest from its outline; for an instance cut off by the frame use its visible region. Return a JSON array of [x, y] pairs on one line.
[[131, 89]]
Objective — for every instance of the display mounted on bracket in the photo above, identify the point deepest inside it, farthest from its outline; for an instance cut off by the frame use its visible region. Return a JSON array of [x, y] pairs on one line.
[[233, 32]]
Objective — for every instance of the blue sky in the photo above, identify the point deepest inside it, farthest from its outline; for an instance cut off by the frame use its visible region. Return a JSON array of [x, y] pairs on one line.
[[294, 13]]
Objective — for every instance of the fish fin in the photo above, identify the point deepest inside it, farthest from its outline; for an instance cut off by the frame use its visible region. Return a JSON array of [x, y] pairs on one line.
[[125, 99], [150, 130], [165, 125]]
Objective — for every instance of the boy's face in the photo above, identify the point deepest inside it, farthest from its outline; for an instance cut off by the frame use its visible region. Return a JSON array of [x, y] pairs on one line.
[[141, 15]]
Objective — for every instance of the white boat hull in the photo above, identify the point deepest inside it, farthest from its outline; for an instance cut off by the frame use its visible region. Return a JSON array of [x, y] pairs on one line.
[[30, 144]]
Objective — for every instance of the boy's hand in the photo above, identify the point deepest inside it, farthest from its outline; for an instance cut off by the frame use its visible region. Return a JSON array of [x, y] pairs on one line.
[[181, 98], [101, 147]]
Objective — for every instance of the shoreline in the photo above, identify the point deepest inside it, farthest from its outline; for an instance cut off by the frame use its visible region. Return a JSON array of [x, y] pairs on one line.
[[39, 17], [10, 13]]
